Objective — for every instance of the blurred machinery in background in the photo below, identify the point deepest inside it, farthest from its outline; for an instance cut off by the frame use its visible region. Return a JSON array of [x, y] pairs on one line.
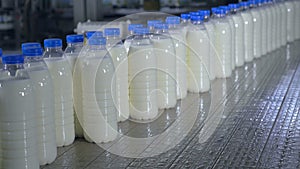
[[34, 20]]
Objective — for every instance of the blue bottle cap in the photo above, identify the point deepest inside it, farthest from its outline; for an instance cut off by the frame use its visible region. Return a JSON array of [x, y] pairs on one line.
[[257, 2], [132, 26], [32, 51], [111, 32], [185, 16], [151, 23], [251, 2], [13, 59], [214, 9], [141, 31], [197, 17], [244, 4], [94, 33], [31, 45], [234, 6], [226, 8], [74, 38], [54, 42], [173, 20], [97, 41], [204, 12], [161, 26]]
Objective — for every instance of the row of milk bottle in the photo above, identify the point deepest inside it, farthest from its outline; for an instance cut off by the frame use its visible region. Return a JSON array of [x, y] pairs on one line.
[[236, 34], [36, 105], [46, 98], [211, 46]]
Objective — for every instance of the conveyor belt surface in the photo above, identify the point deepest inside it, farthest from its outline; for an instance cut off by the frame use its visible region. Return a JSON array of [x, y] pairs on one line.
[[250, 120]]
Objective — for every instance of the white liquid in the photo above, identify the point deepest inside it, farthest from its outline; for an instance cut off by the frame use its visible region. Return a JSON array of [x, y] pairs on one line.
[[212, 51], [44, 99], [77, 95], [72, 59], [181, 66], [142, 86], [198, 60], [257, 33], [279, 23], [274, 26], [119, 56], [99, 116], [63, 91], [248, 35], [223, 48], [290, 21], [297, 19], [264, 30], [166, 72], [239, 40], [17, 125], [269, 28], [231, 23], [283, 24]]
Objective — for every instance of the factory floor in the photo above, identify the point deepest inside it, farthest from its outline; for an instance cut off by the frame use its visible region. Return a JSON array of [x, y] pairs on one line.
[[250, 120]]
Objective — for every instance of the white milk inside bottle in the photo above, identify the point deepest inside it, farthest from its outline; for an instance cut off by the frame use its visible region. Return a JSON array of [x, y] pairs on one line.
[[283, 23], [178, 39], [18, 117], [257, 30], [164, 52], [274, 25], [142, 77], [269, 26], [61, 75], [248, 31], [279, 22], [119, 56], [239, 59], [77, 85], [297, 18], [264, 31], [209, 25], [290, 21], [75, 44], [130, 36], [198, 58], [222, 44], [44, 99], [99, 116], [232, 28]]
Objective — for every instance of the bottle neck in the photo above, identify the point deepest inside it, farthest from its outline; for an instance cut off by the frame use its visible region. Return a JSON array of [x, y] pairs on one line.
[[206, 18], [12, 68], [31, 59], [220, 15], [245, 8], [53, 49], [185, 21], [97, 47], [113, 40], [78, 44], [197, 22], [161, 31]]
